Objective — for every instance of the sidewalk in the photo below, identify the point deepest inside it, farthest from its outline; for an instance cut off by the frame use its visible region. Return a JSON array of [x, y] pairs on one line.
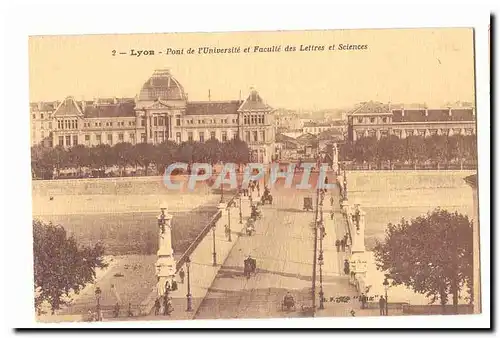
[[335, 284], [202, 271]]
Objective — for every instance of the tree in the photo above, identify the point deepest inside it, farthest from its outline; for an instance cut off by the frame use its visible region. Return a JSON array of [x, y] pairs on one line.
[[79, 156], [436, 147], [415, 149], [144, 155], [165, 154], [213, 151], [365, 149], [390, 148], [60, 266], [431, 254], [58, 158], [123, 155], [102, 156]]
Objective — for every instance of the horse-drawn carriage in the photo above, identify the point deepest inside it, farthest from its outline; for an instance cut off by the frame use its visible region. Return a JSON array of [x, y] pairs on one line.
[[288, 303], [308, 204], [250, 228], [250, 266], [256, 213], [266, 197]]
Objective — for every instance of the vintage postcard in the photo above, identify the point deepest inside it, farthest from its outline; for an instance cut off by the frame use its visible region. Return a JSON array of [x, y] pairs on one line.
[[322, 173]]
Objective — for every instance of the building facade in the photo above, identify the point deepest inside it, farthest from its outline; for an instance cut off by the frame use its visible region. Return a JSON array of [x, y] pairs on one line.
[[161, 111], [379, 120]]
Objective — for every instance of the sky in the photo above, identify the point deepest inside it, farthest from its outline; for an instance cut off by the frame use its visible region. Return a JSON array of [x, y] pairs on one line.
[[432, 66]]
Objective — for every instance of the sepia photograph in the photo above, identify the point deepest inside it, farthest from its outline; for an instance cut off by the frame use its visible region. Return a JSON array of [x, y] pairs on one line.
[[254, 175]]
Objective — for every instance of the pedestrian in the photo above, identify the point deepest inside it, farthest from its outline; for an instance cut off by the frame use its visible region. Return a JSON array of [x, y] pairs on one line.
[[362, 299], [129, 313], [157, 307], [346, 266], [342, 244], [116, 311], [337, 244], [181, 275], [381, 304]]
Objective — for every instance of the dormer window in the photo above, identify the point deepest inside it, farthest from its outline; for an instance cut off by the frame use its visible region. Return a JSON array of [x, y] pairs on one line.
[[372, 120], [384, 119], [360, 120]]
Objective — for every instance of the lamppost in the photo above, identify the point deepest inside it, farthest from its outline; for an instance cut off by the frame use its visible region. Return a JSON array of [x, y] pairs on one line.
[[321, 262], [345, 184], [386, 287], [98, 299], [241, 215], [188, 296], [221, 192], [229, 223], [214, 254]]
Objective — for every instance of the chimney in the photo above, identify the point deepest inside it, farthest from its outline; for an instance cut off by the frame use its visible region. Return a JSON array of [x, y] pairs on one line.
[[186, 95], [209, 97], [83, 104], [403, 111], [473, 111], [115, 100], [426, 112], [449, 111], [96, 101], [39, 105]]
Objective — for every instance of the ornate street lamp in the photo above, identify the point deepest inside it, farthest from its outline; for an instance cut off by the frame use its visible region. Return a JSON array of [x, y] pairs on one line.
[[345, 184], [214, 254], [386, 287], [229, 223], [241, 215], [98, 299], [321, 262], [189, 296]]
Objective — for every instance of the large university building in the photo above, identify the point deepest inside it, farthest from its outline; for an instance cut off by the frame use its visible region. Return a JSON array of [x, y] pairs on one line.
[[161, 111], [379, 120]]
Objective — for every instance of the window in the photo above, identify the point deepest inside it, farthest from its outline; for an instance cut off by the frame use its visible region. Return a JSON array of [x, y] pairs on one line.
[[234, 120], [190, 136], [224, 136], [120, 137], [409, 133], [87, 138], [156, 136], [421, 132], [61, 140], [360, 120], [41, 115], [143, 122], [178, 137], [384, 119], [58, 124], [261, 119], [202, 137], [68, 140], [110, 138], [246, 120], [43, 134], [34, 116], [255, 136], [383, 133], [75, 140], [131, 137], [178, 120], [247, 136], [212, 135], [372, 133], [155, 121], [372, 120], [161, 121], [433, 131], [263, 136], [143, 137], [98, 138]]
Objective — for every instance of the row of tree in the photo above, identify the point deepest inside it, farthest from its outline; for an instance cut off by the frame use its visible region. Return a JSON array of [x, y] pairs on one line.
[[413, 149], [47, 160]]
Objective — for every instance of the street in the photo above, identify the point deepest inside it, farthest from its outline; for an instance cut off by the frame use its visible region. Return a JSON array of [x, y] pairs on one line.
[[283, 248]]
